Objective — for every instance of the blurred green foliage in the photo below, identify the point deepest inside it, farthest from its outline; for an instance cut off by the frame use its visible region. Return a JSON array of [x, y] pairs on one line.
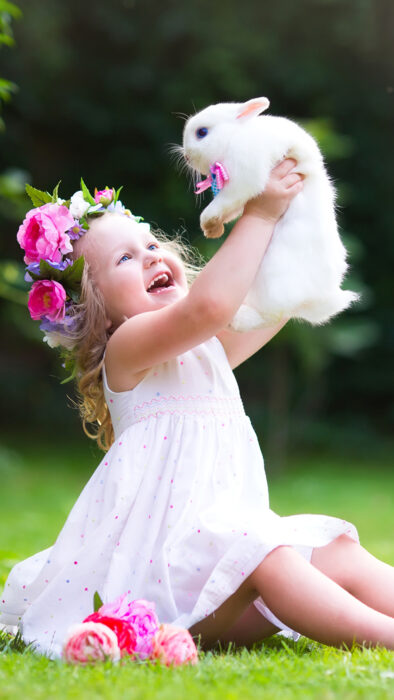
[[8, 12], [102, 92]]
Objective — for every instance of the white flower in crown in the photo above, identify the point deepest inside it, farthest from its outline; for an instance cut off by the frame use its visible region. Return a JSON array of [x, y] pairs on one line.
[[54, 340], [78, 205]]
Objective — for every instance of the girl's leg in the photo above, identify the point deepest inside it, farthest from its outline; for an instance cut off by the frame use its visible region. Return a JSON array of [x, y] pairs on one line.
[[306, 600], [250, 627], [346, 563], [234, 621], [358, 571]]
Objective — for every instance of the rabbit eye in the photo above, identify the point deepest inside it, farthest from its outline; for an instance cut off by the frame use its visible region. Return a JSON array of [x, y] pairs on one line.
[[201, 132]]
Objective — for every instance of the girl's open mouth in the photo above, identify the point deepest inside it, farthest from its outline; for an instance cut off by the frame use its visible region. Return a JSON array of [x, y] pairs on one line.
[[162, 282]]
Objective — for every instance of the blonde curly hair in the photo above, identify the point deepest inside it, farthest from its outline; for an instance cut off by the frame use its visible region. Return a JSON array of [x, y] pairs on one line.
[[85, 345]]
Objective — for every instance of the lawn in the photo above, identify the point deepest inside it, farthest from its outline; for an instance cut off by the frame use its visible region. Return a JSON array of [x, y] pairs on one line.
[[39, 485]]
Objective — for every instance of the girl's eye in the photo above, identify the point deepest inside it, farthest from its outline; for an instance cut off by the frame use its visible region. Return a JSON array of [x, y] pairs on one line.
[[152, 246], [125, 256], [201, 132]]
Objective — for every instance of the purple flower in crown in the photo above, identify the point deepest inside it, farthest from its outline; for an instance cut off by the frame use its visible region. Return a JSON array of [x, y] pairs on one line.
[[42, 235], [67, 324], [76, 231], [60, 332], [35, 267]]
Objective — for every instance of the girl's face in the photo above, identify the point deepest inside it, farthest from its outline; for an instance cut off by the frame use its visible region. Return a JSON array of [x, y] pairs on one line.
[[130, 268]]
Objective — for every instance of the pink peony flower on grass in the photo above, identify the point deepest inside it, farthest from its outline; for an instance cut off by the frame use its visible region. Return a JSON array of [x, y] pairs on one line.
[[125, 632], [117, 608], [105, 196], [90, 642], [143, 617], [174, 646], [47, 299], [42, 235], [141, 614]]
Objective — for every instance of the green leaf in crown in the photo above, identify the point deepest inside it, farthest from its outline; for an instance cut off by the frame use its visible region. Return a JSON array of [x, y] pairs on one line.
[[70, 277], [117, 193], [55, 193], [38, 197], [86, 194]]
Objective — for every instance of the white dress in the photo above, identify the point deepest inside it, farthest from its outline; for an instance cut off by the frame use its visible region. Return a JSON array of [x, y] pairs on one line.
[[177, 511]]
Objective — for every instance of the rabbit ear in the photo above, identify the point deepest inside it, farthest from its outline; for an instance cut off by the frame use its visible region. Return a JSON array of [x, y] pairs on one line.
[[253, 107]]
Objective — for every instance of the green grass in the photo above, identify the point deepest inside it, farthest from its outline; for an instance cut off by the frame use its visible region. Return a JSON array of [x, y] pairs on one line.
[[39, 486]]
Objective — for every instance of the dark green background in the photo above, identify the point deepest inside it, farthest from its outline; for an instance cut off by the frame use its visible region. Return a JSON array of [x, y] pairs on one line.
[[100, 86]]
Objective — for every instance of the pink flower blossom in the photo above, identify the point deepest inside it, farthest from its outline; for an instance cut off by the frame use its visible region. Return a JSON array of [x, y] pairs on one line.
[[90, 642], [42, 235], [143, 617], [104, 197], [117, 608], [125, 632], [174, 646], [141, 614], [47, 299]]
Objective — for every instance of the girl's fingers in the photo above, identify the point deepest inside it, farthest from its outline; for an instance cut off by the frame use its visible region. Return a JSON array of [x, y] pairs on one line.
[[284, 167], [293, 179]]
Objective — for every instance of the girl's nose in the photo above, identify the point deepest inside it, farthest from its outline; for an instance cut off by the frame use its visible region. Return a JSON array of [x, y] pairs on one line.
[[152, 256]]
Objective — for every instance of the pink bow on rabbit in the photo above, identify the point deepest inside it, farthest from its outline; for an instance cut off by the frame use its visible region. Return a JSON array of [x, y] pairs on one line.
[[216, 179]]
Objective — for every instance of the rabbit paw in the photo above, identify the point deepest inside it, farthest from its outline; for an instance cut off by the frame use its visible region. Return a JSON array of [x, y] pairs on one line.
[[213, 227]]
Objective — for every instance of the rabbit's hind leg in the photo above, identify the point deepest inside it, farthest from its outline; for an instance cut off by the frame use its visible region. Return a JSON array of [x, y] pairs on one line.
[[319, 312]]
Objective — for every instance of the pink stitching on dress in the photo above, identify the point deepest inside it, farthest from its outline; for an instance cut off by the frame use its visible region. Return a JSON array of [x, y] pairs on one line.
[[199, 405], [157, 414], [192, 397]]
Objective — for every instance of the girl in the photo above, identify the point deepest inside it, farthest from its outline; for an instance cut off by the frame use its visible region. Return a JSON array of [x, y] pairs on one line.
[[177, 511]]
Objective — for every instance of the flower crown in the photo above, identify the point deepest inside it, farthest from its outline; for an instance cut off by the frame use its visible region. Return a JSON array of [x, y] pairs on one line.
[[46, 236]]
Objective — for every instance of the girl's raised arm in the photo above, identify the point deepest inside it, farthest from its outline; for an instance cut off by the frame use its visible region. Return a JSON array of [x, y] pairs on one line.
[[150, 338], [240, 346]]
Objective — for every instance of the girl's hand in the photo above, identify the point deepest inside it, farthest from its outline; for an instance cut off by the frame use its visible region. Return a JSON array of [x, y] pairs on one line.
[[284, 184]]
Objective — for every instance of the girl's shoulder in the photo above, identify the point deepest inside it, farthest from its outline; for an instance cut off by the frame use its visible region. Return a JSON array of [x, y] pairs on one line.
[[115, 379]]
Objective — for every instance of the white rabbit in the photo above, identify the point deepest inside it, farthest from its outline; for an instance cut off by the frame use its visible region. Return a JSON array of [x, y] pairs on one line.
[[301, 273]]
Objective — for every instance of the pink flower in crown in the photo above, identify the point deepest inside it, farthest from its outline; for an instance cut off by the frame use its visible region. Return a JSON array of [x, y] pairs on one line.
[[47, 299], [104, 197], [42, 235], [174, 646], [90, 642], [141, 614]]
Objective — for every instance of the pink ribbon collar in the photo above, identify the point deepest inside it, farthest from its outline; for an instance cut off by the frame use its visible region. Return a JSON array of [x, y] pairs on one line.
[[216, 179]]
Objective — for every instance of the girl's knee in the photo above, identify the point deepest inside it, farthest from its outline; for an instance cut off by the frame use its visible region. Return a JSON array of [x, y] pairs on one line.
[[278, 557], [343, 547], [337, 546], [346, 540], [336, 559]]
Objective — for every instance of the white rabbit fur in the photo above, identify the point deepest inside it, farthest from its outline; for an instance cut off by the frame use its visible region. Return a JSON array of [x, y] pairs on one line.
[[303, 268]]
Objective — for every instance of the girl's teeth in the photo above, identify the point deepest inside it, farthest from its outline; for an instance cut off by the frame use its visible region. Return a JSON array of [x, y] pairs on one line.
[[160, 277], [160, 290]]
